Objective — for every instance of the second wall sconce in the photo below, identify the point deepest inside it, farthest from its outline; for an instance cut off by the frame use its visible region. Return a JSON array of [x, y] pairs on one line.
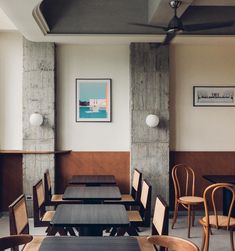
[[152, 120], [36, 119]]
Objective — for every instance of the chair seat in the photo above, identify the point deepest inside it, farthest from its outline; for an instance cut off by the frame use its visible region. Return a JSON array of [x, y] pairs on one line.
[[134, 216], [222, 221], [191, 200], [144, 244], [57, 198], [48, 216], [35, 244]]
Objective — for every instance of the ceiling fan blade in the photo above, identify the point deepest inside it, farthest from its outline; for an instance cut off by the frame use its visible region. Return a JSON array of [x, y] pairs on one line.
[[150, 26], [168, 38], [207, 26]]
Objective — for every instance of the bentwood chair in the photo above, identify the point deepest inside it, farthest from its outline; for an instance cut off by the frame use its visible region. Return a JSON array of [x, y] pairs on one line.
[[173, 243], [217, 220], [19, 223], [15, 241], [141, 217], [185, 192]]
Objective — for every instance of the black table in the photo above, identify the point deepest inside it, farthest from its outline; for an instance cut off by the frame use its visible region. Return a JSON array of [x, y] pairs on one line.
[[93, 180], [227, 196], [95, 243], [90, 218], [92, 193]]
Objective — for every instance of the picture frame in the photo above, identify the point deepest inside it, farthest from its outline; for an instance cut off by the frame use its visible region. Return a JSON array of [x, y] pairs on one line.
[[93, 99], [214, 96]]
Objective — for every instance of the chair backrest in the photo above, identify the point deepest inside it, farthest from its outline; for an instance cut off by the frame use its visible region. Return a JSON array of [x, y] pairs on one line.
[[173, 243], [186, 185], [14, 241], [145, 203], [47, 187], [39, 208], [136, 184], [160, 217], [209, 197], [18, 216]]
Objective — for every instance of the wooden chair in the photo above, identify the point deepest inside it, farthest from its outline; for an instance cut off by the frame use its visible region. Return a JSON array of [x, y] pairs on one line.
[[160, 217], [141, 217], [54, 199], [187, 196], [216, 220], [19, 223], [173, 243], [134, 197], [15, 241]]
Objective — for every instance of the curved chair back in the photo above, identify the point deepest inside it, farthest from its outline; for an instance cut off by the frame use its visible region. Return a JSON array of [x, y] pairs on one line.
[[209, 197], [160, 217], [14, 241], [173, 243], [18, 216], [188, 183]]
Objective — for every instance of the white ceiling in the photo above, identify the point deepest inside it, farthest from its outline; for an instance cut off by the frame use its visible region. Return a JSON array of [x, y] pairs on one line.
[[20, 15]]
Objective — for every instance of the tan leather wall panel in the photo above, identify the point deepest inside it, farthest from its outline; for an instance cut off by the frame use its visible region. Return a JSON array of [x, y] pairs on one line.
[[75, 163]]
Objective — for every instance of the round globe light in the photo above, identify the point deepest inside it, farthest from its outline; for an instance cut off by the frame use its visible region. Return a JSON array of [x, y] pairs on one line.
[[36, 119], [152, 120]]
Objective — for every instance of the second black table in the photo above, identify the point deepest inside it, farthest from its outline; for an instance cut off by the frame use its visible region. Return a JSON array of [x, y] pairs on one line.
[[92, 193], [93, 180], [91, 219]]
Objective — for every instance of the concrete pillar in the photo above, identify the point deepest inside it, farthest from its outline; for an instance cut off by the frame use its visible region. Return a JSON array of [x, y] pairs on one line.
[[150, 95], [38, 96]]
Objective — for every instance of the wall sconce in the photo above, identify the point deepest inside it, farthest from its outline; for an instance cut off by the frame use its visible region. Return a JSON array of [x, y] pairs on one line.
[[152, 120], [36, 119]]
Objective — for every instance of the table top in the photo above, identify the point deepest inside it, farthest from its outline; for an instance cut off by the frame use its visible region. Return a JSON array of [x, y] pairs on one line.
[[92, 179], [92, 193], [75, 215], [71, 243], [220, 178]]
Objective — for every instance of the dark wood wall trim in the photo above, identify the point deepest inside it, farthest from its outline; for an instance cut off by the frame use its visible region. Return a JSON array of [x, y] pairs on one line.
[[203, 163], [114, 163], [11, 181]]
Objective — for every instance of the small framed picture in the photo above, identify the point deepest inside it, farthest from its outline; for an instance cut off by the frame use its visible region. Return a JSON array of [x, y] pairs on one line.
[[213, 96], [93, 100]]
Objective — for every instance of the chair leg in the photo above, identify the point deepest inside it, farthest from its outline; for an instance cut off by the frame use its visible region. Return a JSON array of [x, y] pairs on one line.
[[207, 230], [175, 214], [231, 241], [189, 220], [132, 231], [193, 216], [121, 231], [203, 239], [113, 231]]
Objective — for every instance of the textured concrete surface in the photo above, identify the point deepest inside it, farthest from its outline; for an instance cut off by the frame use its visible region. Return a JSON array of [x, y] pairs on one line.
[[38, 96], [150, 95]]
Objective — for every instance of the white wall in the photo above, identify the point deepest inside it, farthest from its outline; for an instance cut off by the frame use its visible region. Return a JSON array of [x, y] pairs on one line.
[[200, 128], [11, 63], [93, 61]]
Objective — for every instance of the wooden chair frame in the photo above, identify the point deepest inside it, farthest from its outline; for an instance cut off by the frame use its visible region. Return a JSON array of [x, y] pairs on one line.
[[209, 196], [160, 217], [172, 242], [136, 185], [14, 241], [12, 216], [192, 200], [47, 187], [39, 206]]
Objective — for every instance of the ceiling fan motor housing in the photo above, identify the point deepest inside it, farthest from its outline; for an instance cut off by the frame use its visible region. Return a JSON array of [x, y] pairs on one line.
[[175, 25]]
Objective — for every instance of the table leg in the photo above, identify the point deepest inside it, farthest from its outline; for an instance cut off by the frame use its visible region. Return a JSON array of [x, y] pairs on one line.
[[91, 231], [227, 197]]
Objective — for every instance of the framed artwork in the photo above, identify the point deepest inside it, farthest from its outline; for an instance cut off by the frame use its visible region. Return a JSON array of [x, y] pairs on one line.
[[93, 100], [213, 96]]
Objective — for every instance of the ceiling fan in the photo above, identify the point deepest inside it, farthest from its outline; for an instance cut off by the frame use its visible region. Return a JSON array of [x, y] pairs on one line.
[[176, 25]]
